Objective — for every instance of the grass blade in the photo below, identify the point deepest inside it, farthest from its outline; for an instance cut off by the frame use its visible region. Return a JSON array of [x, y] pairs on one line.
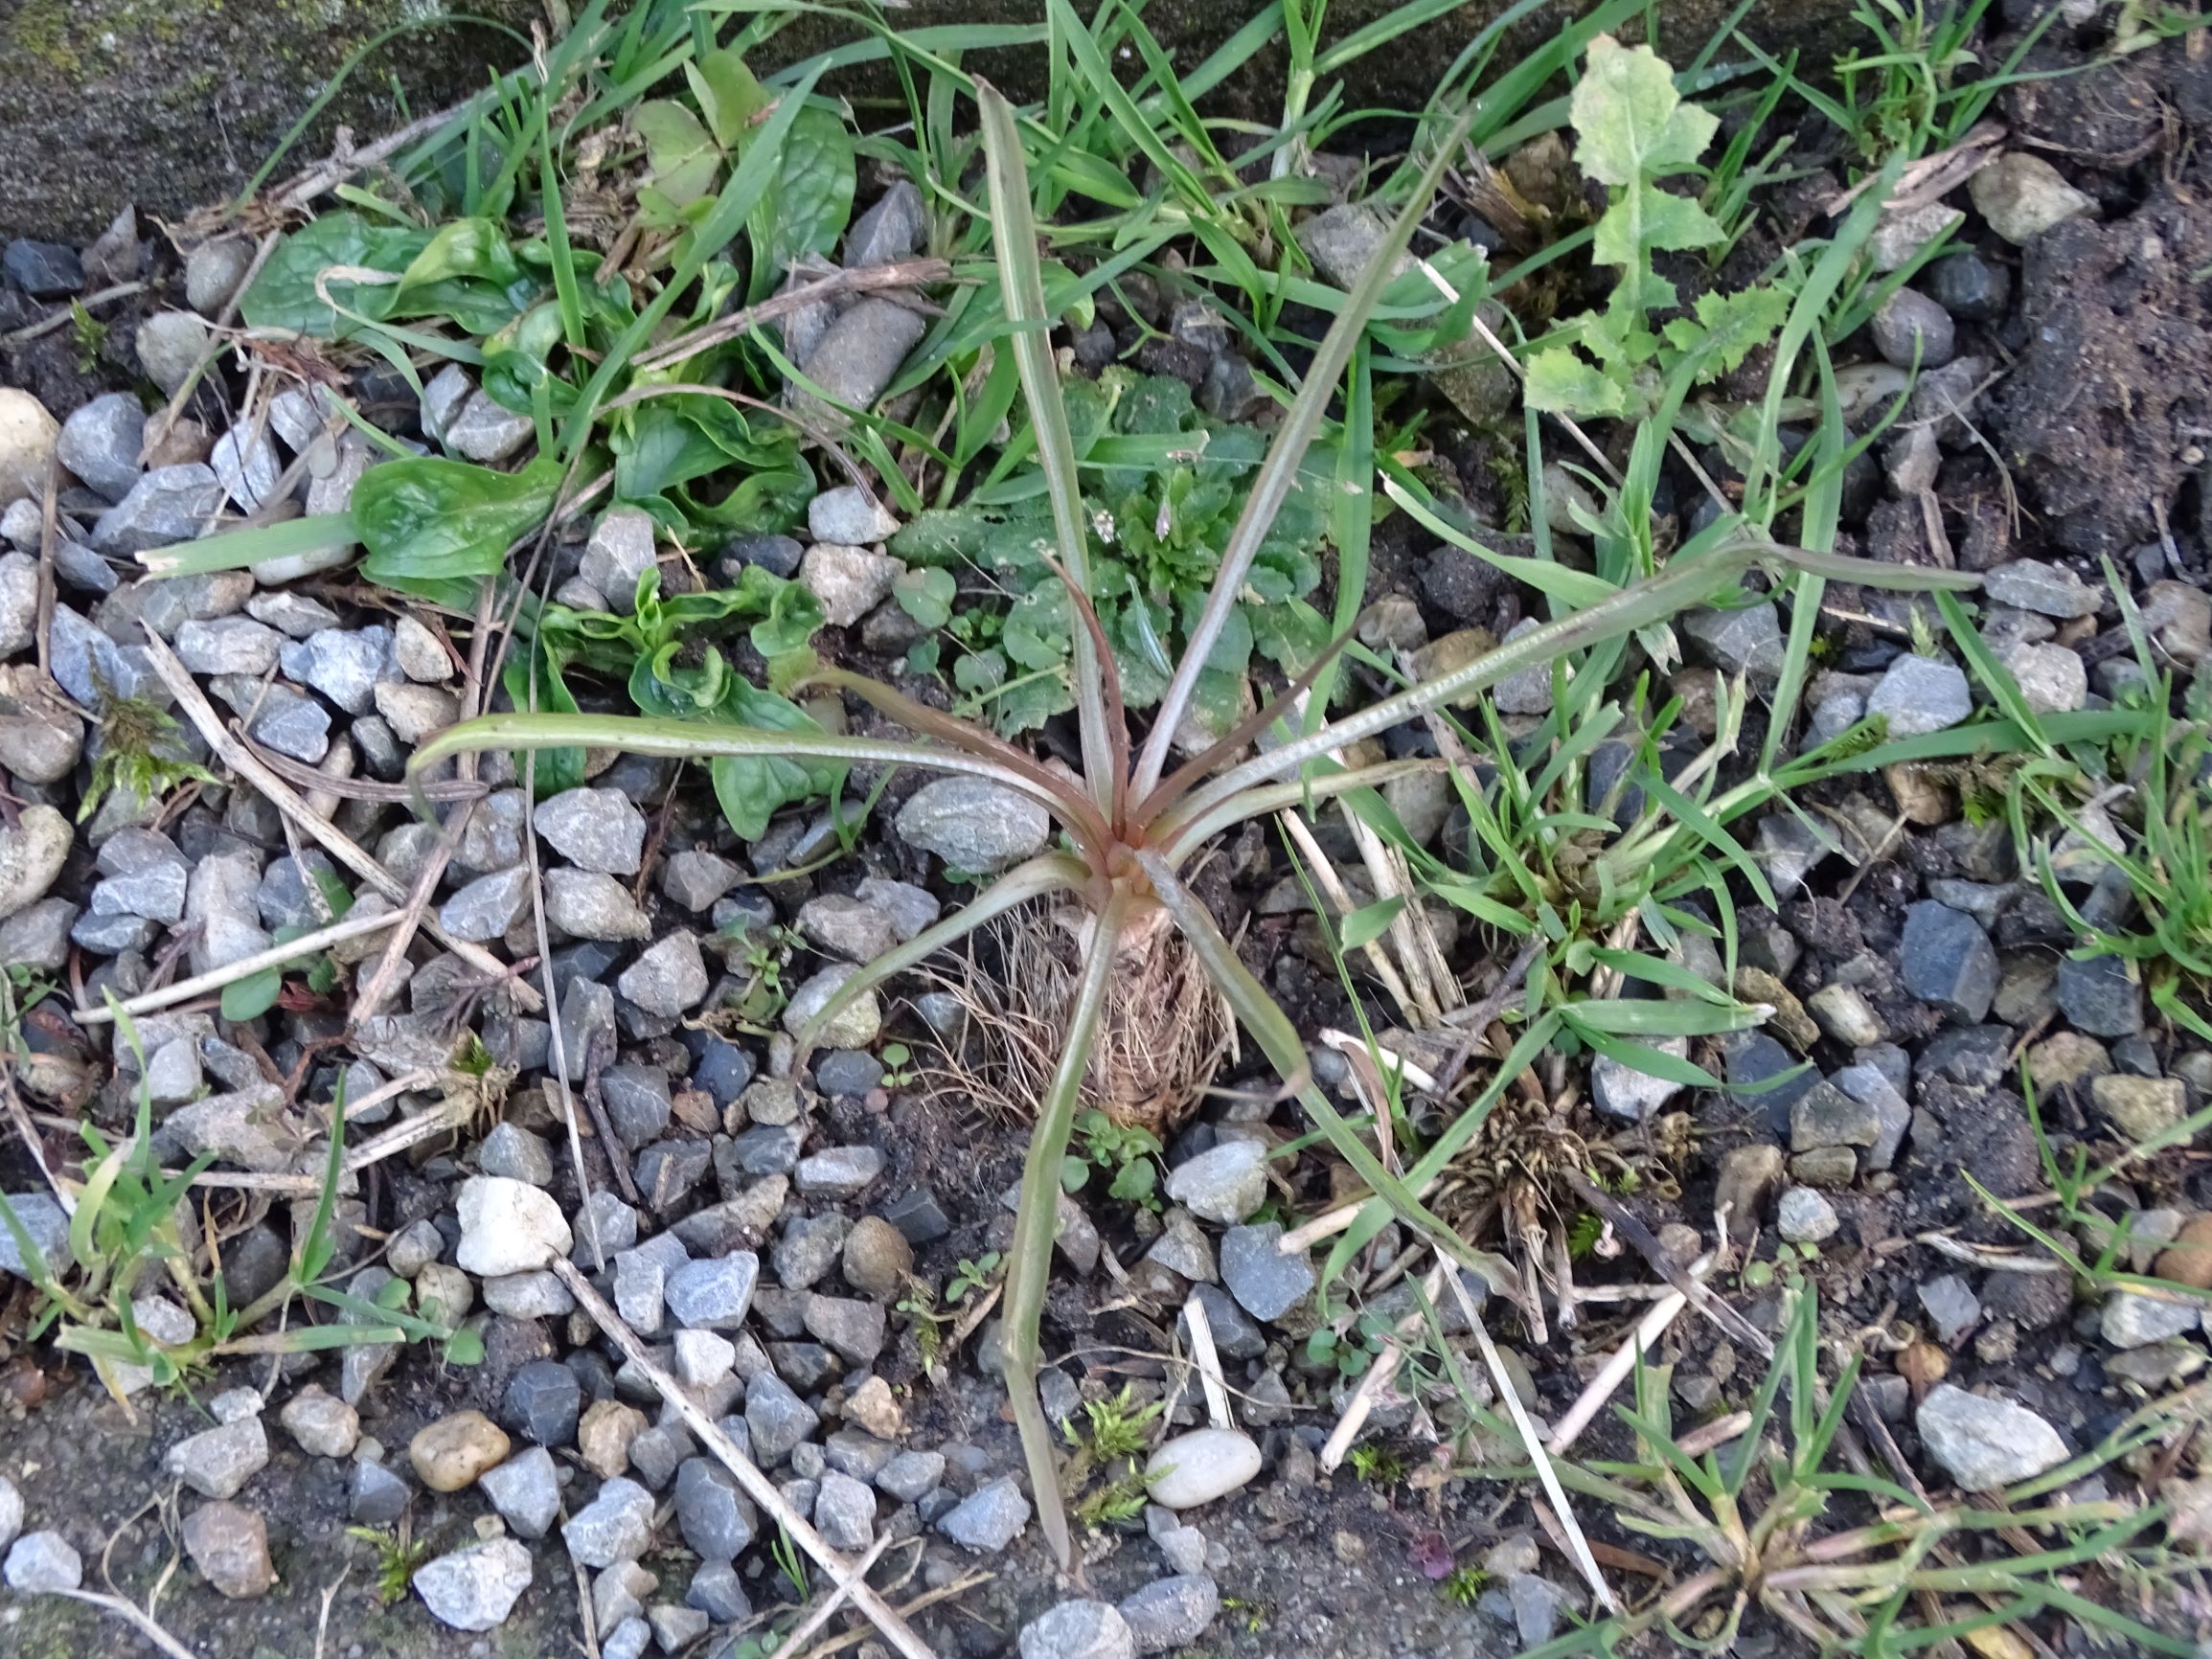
[[236, 549]]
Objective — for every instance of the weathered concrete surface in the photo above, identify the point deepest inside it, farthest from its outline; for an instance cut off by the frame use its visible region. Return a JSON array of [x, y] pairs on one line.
[[173, 103]]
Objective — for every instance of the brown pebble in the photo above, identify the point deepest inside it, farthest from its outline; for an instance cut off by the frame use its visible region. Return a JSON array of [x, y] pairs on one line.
[[2188, 1260], [454, 1450]]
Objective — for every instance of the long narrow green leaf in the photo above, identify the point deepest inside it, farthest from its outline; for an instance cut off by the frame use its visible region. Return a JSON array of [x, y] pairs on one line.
[[236, 549], [1029, 1257], [1021, 281], [1272, 485]]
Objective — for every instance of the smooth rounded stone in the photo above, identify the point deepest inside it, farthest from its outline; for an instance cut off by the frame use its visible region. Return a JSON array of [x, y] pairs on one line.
[[217, 1462], [1986, 1444], [41, 1562], [845, 1511], [973, 825], [213, 272], [2052, 679], [2128, 1320], [544, 1400], [586, 905], [377, 1497], [2048, 589], [450, 1454], [597, 830], [525, 1491], [1621, 1091], [620, 551], [696, 879], [1909, 328], [990, 1517], [509, 1226], [230, 1545], [31, 853], [1946, 958], [715, 1515], [714, 1295], [28, 435], [2101, 995], [476, 1588], [1260, 1276], [165, 505], [1201, 1466], [322, 1425], [1078, 1630], [876, 1258], [615, 1525], [1171, 1613], [100, 444], [669, 978], [838, 1172], [1920, 694], [1804, 1217], [850, 515], [1971, 288], [1224, 1184], [2024, 196], [2141, 1107]]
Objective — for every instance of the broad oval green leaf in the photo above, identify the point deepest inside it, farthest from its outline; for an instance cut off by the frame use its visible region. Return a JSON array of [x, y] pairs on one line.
[[430, 524]]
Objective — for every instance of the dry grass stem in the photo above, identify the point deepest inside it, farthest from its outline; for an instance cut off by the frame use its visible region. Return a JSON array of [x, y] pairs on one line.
[[245, 967]]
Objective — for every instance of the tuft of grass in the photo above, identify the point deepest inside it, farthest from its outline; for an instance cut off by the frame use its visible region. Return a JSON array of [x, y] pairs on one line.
[[142, 752], [398, 1555]]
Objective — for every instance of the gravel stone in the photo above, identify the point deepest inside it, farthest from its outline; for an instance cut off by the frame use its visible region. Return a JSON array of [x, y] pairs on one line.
[[475, 1589], [848, 581], [615, 1525], [1747, 640], [1910, 327], [2141, 1107], [525, 1491], [973, 825], [100, 444], [1621, 1091], [1267, 1282], [487, 907], [377, 1496], [620, 551], [849, 516], [230, 1545], [668, 979], [716, 1517], [40, 1562], [2102, 996], [1984, 1444], [911, 1476], [322, 1426], [890, 231], [144, 874], [544, 1400], [877, 1257], [247, 463], [676, 1628], [1078, 1630], [508, 1226], [1224, 1184], [777, 1418], [1949, 1303], [637, 1102], [716, 1591], [858, 356], [1805, 1218], [1920, 694], [346, 665], [856, 1329], [597, 830], [450, 1454], [1946, 958], [2048, 589], [229, 644], [838, 1172], [165, 505], [2024, 196], [1171, 1613], [586, 905], [169, 346], [217, 1462], [847, 927], [695, 880], [845, 1511], [714, 1295], [2052, 679], [414, 712], [988, 1519], [1198, 1467]]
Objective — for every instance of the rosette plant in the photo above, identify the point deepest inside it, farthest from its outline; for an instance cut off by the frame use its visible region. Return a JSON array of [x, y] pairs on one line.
[[1131, 825]]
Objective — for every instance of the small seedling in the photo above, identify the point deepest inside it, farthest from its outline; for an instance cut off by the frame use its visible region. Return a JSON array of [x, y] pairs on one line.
[[789, 1561], [970, 1276], [1378, 1465], [398, 1556], [897, 1062], [1463, 1586], [1129, 1151], [91, 334]]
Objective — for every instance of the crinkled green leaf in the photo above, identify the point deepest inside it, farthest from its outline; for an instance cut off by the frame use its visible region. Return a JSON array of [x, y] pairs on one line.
[[807, 209], [1728, 327], [284, 295], [679, 152], [1561, 384], [751, 788], [1630, 123], [926, 596], [430, 524]]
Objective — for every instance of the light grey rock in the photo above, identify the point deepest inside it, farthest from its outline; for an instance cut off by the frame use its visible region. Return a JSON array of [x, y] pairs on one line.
[[484, 430], [1260, 1276], [487, 907], [513, 1151], [165, 505], [1950, 1305], [845, 1511], [1225, 1184], [1171, 1613], [847, 927], [1621, 1091], [11, 1512], [230, 644], [171, 344], [100, 444], [509, 1226], [848, 581], [93, 669], [230, 1545], [144, 874], [2024, 196], [973, 825], [213, 272], [777, 1418], [988, 1519], [18, 600], [1804, 1217], [1899, 235], [525, 1491], [1920, 694], [2048, 589], [1078, 1630], [849, 516], [294, 615], [717, 1518], [1986, 1444], [1745, 641], [322, 1425], [343, 664], [2052, 679], [615, 1525], [221, 896], [217, 1462], [597, 830], [1201, 1465], [41, 1562], [696, 879], [476, 1588], [669, 979], [1910, 327], [838, 1172], [47, 1225], [493, 839], [891, 229], [244, 460], [620, 551], [584, 904], [1341, 241], [416, 649], [856, 357], [714, 1295], [2132, 1321], [414, 712], [910, 908]]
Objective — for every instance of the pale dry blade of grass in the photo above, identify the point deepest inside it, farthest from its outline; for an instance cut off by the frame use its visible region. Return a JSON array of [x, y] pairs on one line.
[[245, 967]]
